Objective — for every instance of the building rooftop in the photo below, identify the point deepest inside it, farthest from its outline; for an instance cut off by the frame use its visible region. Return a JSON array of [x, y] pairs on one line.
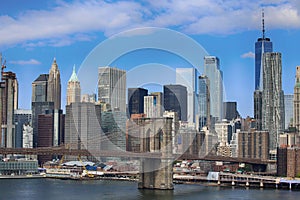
[[73, 77], [42, 77]]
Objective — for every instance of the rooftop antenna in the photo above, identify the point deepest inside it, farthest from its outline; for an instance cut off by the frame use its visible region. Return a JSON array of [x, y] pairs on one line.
[[263, 22]]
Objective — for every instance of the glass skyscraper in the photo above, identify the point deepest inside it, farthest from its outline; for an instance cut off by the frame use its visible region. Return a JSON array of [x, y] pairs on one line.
[[215, 76], [175, 100], [263, 45], [136, 100], [203, 102], [188, 78]]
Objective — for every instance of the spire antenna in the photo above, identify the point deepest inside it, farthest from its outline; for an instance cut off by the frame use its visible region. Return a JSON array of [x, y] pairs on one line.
[[263, 23]]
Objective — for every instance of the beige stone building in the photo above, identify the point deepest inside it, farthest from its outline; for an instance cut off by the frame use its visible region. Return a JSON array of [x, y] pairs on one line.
[[73, 90]]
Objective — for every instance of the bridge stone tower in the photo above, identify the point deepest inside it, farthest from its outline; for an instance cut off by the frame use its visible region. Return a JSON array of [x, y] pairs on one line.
[[156, 137]]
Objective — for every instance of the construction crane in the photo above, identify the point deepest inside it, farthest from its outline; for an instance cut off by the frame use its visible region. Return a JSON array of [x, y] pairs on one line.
[[3, 66], [85, 171]]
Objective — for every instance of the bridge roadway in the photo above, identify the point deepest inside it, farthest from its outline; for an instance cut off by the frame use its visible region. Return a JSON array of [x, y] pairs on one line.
[[61, 150]]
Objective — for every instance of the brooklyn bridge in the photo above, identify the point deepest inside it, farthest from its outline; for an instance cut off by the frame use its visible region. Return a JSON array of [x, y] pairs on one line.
[[155, 154]]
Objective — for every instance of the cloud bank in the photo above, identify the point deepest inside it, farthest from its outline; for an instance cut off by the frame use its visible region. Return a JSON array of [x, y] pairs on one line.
[[25, 62], [248, 55], [70, 21]]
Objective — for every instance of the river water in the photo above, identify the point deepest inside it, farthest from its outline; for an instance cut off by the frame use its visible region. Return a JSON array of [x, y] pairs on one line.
[[44, 189]]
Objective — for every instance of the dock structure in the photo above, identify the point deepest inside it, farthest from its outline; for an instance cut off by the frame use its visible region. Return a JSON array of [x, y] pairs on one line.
[[247, 180]]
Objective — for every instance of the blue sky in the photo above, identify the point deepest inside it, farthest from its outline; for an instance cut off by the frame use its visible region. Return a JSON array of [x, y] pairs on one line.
[[32, 33]]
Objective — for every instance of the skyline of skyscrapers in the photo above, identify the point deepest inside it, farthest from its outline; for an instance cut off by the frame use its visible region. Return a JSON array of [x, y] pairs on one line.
[[46, 98], [180, 98]]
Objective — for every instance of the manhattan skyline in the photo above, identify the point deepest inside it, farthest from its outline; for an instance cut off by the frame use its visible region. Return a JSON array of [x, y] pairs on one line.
[[32, 35]]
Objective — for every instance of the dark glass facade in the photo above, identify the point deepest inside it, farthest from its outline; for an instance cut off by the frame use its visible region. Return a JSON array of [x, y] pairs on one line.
[[261, 46], [136, 100], [175, 99]]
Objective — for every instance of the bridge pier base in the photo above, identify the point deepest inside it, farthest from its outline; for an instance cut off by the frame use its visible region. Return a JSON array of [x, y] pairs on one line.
[[156, 136], [156, 174], [261, 184], [247, 183]]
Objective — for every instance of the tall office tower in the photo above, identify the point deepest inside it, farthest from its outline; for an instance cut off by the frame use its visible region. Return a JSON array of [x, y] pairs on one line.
[[22, 118], [153, 105], [39, 88], [112, 87], [54, 86], [215, 76], [136, 100], [288, 110], [82, 126], [203, 103], [297, 101], [188, 78], [73, 91], [39, 103], [8, 103], [272, 98], [175, 100], [262, 46], [230, 110]]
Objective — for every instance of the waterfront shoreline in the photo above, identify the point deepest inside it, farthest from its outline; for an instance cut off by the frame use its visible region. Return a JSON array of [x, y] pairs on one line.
[[206, 183], [21, 176]]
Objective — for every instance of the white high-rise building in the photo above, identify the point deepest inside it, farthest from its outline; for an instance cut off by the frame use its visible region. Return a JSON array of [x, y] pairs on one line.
[[112, 87], [188, 78], [153, 105], [215, 76]]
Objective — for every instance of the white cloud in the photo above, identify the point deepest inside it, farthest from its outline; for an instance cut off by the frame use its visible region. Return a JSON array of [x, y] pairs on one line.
[[248, 55], [64, 23], [25, 62]]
